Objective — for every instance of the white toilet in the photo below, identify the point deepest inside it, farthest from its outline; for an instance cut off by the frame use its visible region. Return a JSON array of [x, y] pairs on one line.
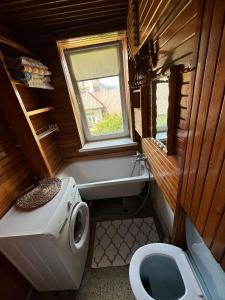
[[165, 272]]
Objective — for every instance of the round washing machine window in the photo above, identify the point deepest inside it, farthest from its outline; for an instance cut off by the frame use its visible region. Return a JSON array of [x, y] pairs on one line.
[[79, 226]]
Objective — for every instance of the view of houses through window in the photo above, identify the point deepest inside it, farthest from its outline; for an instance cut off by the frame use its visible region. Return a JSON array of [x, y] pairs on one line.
[[102, 105]]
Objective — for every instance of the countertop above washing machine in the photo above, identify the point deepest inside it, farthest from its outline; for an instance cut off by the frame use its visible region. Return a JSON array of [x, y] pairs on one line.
[[25, 222]]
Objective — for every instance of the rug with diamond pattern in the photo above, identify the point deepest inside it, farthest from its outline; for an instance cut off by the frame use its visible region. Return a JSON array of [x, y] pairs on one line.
[[116, 241]]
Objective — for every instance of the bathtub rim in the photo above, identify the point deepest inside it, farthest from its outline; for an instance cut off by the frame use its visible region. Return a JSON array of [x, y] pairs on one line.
[[142, 178]]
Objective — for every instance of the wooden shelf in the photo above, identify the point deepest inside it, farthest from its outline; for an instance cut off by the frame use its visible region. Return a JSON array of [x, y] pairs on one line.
[[39, 111], [13, 45], [47, 132], [42, 157], [137, 91], [18, 82]]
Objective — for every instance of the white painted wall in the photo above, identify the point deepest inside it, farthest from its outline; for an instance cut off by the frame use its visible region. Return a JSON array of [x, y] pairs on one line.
[[162, 208]]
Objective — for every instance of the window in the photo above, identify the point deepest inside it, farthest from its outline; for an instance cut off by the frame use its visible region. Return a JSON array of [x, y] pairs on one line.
[[91, 119], [97, 76], [162, 102]]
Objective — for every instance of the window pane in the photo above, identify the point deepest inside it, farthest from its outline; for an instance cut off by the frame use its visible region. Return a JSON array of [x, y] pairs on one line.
[[101, 101], [162, 96]]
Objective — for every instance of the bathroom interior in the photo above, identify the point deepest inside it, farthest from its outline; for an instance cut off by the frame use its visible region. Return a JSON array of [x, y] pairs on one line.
[[112, 157]]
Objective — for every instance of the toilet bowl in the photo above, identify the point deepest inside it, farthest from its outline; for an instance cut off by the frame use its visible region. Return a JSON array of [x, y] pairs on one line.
[[165, 272], [162, 272]]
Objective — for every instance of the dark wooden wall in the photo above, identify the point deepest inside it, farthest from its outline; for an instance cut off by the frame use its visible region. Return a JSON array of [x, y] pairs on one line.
[[14, 169], [173, 26], [15, 176], [203, 182], [191, 33], [15, 173]]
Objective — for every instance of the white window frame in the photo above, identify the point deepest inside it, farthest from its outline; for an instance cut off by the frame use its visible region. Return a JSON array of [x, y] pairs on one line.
[[87, 134]]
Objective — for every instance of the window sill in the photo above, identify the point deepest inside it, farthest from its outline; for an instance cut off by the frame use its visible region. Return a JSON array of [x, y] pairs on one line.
[[109, 144]]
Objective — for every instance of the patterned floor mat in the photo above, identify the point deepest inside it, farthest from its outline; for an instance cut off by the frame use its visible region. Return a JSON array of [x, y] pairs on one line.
[[116, 241]]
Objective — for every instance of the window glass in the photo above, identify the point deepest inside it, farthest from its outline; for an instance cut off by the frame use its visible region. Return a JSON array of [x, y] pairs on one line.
[[162, 103], [101, 102]]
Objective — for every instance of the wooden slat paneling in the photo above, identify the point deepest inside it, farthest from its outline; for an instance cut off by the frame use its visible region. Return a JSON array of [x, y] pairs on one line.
[[165, 170], [65, 18], [172, 25], [15, 174], [132, 28], [194, 155], [202, 185]]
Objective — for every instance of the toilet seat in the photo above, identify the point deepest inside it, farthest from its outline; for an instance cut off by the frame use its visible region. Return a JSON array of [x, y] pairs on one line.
[[192, 288]]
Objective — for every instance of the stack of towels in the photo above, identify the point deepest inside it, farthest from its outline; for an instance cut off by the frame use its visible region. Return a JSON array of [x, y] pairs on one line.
[[30, 71]]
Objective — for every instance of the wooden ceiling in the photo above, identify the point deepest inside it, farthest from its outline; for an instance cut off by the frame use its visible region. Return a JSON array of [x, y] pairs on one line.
[[55, 16]]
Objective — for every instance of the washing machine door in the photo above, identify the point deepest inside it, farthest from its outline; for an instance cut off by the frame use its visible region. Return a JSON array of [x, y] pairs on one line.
[[79, 226]]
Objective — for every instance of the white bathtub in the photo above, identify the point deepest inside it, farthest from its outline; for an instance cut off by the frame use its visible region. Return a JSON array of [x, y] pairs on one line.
[[107, 178]]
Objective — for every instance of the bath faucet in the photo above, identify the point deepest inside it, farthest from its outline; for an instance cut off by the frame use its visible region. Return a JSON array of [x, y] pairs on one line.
[[140, 156]]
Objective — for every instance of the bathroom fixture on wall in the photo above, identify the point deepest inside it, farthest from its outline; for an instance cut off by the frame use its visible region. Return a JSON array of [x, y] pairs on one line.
[[49, 244], [144, 62], [141, 69], [163, 271], [140, 156]]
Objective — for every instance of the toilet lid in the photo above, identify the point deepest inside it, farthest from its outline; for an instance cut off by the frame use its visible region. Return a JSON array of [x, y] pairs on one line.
[[192, 289]]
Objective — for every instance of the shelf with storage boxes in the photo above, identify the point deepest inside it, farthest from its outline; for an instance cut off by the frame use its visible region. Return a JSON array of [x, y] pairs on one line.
[[29, 112]]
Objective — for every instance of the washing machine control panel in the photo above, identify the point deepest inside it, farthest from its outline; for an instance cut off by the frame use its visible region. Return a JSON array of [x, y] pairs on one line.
[[74, 197]]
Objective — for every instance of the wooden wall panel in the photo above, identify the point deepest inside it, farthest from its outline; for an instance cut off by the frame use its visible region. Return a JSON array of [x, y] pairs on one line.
[[181, 107], [64, 18], [68, 137], [202, 187], [172, 25], [165, 170], [132, 28], [15, 174], [150, 14]]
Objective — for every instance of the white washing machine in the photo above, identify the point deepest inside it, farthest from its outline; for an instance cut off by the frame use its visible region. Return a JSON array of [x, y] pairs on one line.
[[49, 244]]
